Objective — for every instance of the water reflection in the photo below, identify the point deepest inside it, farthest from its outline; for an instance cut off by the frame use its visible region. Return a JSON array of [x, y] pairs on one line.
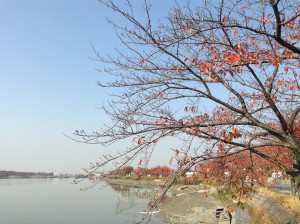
[[128, 198]]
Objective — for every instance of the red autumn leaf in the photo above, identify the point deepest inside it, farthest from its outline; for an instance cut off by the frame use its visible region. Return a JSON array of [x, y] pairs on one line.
[[143, 61], [141, 139], [185, 27], [154, 141], [139, 176], [204, 67], [193, 109], [140, 163], [243, 8], [293, 88], [236, 132], [183, 160], [206, 176], [185, 60], [171, 160], [163, 93], [225, 19]]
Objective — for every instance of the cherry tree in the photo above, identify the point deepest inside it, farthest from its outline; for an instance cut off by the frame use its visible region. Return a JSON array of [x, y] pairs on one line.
[[123, 171], [221, 76]]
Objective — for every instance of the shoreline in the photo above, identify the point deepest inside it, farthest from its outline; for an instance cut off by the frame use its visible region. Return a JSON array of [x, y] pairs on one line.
[[188, 203]]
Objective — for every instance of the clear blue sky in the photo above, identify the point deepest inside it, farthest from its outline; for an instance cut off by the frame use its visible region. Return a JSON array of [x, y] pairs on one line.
[[48, 83]]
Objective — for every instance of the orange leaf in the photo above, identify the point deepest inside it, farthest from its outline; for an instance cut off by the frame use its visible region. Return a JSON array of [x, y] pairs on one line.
[[286, 69], [185, 60], [170, 163], [264, 20], [235, 33]]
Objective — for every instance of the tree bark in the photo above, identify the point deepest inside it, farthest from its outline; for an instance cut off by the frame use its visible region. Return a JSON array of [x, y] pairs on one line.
[[295, 185], [295, 179]]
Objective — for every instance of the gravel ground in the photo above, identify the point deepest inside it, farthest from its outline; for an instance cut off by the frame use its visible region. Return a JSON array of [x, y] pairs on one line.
[[191, 205]]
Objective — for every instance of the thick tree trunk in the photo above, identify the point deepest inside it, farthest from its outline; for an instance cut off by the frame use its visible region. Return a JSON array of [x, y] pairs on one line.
[[295, 179], [295, 185]]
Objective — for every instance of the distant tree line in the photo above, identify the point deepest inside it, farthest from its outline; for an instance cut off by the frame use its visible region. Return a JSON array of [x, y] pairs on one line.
[[5, 174]]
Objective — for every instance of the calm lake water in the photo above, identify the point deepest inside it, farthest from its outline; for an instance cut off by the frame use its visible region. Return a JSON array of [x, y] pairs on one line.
[[39, 201]]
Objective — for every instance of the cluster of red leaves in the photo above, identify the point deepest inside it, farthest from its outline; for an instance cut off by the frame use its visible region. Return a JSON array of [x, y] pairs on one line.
[[245, 167], [139, 171]]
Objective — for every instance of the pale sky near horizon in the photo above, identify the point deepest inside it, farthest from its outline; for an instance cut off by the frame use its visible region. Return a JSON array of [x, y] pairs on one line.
[[48, 82]]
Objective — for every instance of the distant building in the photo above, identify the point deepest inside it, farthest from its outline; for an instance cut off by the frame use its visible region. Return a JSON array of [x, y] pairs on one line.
[[276, 174], [98, 174], [190, 173]]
